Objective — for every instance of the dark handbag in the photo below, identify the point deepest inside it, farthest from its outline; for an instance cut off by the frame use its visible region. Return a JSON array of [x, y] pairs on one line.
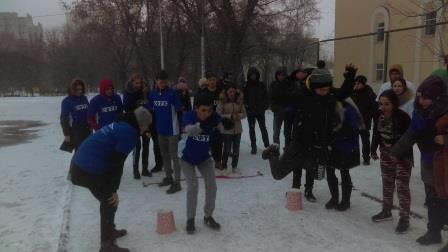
[[67, 146]]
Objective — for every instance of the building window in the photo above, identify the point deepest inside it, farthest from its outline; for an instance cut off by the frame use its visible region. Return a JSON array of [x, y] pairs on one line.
[[379, 72], [430, 21], [380, 32]]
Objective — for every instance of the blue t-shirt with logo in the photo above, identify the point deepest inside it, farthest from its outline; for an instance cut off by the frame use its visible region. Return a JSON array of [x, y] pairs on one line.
[[74, 108], [196, 149], [165, 104], [105, 109]]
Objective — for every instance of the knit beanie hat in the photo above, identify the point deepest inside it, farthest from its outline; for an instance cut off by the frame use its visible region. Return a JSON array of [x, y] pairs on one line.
[[320, 78], [144, 118]]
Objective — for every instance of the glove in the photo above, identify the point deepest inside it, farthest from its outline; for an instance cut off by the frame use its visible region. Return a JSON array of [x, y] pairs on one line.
[[350, 72], [227, 123], [193, 130]]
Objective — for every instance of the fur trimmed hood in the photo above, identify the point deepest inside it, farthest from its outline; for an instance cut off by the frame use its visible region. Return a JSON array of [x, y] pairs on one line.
[[340, 115], [225, 99]]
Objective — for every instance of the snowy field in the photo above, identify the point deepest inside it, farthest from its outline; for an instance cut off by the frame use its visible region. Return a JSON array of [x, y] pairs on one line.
[[41, 211]]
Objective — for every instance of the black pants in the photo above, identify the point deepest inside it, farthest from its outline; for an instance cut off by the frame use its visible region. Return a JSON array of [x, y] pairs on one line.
[[365, 139], [231, 143], [252, 119], [96, 185], [78, 134], [288, 120], [143, 146], [437, 209], [346, 179], [216, 147], [156, 150], [297, 179]]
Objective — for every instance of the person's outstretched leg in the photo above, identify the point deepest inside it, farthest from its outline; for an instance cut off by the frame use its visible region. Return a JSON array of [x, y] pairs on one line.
[[282, 166]]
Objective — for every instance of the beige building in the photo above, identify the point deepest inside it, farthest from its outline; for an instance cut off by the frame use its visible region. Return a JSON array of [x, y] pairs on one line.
[[419, 51]]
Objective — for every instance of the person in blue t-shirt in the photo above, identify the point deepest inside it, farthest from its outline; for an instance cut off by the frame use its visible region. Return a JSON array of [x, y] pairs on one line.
[[74, 115], [165, 105], [98, 166], [198, 126], [105, 107]]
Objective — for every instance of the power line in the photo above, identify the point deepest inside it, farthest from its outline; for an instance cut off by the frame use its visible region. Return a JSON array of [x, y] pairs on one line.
[[40, 16]]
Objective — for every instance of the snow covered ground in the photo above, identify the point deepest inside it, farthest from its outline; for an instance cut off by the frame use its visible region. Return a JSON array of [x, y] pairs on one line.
[[37, 204]]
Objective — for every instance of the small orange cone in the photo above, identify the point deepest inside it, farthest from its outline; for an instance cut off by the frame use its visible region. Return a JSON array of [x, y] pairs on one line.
[[294, 200], [165, 222]]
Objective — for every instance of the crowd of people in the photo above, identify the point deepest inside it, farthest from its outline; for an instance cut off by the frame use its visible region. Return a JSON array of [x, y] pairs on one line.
[[321, 124]]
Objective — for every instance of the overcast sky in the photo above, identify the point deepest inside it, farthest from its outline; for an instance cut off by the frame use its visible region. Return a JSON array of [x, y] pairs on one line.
[[323, 29]]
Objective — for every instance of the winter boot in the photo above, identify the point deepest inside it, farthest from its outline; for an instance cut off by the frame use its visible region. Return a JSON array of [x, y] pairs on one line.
[[136, 173], [403, 226], [146, 173], [118, 233], [384, 215], [166, 182], [156, 169], [110, 246], [174, 188], [211, 223], [253, 151], [429, 238], [345, 202], [272, 151], [190, 226], [444, 249], [309, 196], [334, 191]]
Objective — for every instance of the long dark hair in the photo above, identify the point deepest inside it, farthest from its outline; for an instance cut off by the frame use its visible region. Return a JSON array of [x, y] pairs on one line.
[[76, 82], [392, 97]]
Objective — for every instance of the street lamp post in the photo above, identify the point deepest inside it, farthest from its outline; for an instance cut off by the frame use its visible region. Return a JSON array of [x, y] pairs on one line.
[[162, 55]]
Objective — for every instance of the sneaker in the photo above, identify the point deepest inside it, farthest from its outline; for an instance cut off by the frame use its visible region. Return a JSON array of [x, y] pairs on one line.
[[146, 173], [236, 171], [310, 197], [174, 188], [384, 215], [219, 172], [190, 226], [211, 223], [366, 162], [166, 182], [403, 226], [156, 169], [430, 238], [111, 247], [118, 233]]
